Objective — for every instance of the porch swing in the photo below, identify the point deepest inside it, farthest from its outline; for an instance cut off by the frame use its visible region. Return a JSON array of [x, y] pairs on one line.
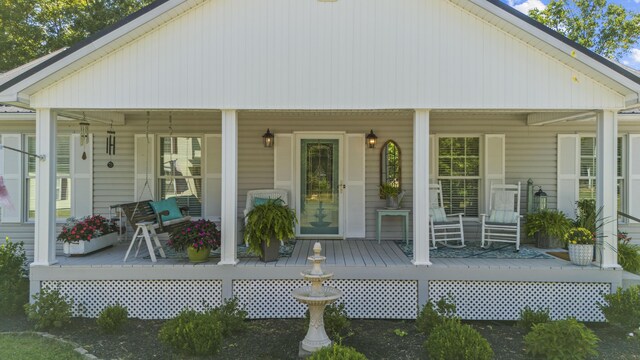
[[166, 215]]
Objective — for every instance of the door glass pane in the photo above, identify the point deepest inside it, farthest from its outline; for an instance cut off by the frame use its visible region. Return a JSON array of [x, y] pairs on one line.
[[319, 193]]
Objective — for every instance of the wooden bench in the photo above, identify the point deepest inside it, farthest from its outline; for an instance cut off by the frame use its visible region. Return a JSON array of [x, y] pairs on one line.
[[142, 211]]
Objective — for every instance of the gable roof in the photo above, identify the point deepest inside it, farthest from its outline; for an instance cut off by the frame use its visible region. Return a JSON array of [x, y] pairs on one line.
[[48, 69]]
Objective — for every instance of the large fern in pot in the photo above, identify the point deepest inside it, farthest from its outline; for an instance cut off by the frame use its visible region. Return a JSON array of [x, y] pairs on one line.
[[269, 222]]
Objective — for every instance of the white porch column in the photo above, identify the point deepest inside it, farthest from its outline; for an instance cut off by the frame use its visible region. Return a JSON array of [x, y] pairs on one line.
[[45, 225], [229, 209], [606, 187], [421, 187]]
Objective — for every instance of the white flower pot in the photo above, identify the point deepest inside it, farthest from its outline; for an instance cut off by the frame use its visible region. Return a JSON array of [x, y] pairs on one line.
[[581, 254], [84, 247]]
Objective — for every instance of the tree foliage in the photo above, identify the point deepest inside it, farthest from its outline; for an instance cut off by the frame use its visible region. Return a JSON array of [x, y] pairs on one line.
[[607, 29], [33, 28]]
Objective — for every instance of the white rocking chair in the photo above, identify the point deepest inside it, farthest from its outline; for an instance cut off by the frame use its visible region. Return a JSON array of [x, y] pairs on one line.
[[442, 229], [503, 222]]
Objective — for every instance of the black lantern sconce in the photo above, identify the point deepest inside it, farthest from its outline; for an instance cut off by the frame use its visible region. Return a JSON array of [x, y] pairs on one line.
[[372, 139], [267, 139], [539, 200]]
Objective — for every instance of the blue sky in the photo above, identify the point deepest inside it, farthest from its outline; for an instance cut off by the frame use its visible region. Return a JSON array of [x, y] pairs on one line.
[[632, 59]]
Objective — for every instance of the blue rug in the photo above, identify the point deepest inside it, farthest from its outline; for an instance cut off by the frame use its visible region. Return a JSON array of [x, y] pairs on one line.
[[474, 251]]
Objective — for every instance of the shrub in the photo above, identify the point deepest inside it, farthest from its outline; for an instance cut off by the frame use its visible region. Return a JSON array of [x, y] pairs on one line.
[[231, 316], [530, 317], [112, 318], [562, 339], [622, 309], [337, 352], [628, 254], [193, 332], [432, 314], [454, 340], [49, 309], [14, 284], [336, 321]]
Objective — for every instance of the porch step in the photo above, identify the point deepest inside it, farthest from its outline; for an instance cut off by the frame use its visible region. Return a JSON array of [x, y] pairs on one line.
[[629, 279]]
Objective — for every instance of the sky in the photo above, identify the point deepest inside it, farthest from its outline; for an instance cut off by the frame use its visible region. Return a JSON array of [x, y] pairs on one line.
[[632, 59]]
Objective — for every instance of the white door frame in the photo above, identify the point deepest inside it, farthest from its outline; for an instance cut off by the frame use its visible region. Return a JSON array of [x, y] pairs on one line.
[[336, 135]]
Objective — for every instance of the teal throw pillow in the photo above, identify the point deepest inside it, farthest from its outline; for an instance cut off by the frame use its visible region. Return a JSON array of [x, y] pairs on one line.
[[170, 204], [260, 201]]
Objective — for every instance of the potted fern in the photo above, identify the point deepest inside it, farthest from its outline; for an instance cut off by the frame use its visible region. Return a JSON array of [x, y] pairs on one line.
[[266, 226], [548, 227]]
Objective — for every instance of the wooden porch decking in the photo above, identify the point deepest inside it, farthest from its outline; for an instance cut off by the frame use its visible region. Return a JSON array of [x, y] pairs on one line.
[[339, 253]]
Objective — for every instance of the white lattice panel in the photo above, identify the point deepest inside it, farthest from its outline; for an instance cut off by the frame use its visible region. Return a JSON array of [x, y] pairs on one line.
[[145, 299], [378, 299], [503, 300]]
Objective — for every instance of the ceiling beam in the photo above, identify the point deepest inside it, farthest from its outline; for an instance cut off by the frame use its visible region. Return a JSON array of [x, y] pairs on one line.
[[538, 119]]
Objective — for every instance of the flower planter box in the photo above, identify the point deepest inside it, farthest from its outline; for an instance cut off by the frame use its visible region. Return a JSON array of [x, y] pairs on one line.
[[85, 247]]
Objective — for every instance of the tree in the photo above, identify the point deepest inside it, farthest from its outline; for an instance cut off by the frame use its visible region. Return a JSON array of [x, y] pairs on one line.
[[607, 29], [33, 28]]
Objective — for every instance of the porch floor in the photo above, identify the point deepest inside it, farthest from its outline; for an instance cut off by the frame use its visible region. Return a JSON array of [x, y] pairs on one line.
[[339, 253]]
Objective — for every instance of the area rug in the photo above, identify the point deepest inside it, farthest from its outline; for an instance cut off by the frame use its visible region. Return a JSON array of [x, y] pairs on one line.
[[243, 252], [474, 251]]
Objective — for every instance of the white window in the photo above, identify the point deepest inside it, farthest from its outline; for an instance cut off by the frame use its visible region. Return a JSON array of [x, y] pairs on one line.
[[587, 177], [63, 181], [180, 171], [460, 175]]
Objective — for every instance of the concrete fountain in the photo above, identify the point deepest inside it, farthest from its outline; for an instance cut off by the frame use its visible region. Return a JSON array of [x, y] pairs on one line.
[[316, 296]]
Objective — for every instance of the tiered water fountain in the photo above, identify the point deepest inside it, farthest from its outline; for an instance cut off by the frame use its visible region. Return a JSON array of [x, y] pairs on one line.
[[316, 297]]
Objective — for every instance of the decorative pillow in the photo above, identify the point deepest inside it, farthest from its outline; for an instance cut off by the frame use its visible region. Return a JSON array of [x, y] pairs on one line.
[[503, 216], [261, 201], [438, 214], [170, 204]]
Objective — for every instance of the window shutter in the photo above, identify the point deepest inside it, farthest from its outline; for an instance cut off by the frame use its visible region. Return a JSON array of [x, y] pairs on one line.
[[11, 171], [568, 169], [493, 164], [433, 160], [634, 175], [355, 181], [213, 177], [81, 177], [144, 168], [283, 165]]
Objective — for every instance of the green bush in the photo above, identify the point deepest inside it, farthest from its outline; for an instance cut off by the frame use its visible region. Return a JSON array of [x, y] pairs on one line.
[[432, 314], [231, 316], [336, 321], [14, 282], [49, 309], [112, 318], [622, 309], [563, 339], [193, 332], [530, 317], [628, 254], [337, 352], [454, 340]]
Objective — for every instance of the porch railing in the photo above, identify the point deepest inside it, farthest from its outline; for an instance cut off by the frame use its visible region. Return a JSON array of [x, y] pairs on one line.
[[620, 213]]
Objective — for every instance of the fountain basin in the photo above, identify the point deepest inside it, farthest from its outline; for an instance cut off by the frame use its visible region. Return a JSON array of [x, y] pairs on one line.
[[309, 275], [328, 295]]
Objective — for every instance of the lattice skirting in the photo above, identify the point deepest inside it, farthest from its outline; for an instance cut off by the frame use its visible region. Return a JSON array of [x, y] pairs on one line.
[[503, 300], [376, 299], [145, 299]]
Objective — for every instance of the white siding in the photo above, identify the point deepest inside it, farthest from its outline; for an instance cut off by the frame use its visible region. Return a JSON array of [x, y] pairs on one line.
[[307, 54]]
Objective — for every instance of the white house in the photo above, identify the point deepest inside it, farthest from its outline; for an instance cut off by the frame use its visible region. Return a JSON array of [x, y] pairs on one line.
[[207, 78]]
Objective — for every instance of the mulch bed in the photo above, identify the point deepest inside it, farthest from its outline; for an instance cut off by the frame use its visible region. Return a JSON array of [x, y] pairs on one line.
[[279, 338]]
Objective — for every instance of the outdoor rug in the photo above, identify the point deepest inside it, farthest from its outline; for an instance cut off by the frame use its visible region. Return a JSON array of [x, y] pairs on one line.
[[474, 251], [285, 251]]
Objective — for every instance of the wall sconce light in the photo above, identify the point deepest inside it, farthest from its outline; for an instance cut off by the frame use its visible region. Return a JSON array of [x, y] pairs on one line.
[[267, 139], [371, 140]]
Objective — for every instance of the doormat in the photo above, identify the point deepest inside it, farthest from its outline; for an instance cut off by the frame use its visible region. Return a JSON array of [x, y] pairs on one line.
[[243, 252], [472, 250], [559, 254]]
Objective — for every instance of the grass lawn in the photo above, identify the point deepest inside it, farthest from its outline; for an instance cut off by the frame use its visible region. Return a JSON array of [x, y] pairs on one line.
[[34, 347]]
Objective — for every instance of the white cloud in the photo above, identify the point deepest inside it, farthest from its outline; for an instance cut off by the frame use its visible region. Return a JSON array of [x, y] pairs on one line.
[[635, 54], [527, 5]]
